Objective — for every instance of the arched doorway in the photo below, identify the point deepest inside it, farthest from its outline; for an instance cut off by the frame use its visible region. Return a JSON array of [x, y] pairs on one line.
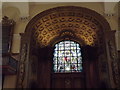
[[82, 25]]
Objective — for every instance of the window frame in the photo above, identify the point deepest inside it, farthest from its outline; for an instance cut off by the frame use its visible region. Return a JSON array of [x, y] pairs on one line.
[[77, 46]]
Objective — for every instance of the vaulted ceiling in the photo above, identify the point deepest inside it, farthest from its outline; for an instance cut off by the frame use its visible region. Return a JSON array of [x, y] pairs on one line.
[[57, 21], [51, 24]]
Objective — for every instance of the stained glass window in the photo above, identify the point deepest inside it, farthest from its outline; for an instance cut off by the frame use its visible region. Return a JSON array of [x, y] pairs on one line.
[[67, 57]]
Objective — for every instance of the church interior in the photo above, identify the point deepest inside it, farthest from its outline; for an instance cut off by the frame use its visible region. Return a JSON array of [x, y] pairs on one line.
[[60, 45]]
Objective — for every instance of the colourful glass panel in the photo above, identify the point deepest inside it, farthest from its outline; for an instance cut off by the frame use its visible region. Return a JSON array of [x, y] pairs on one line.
[[67, 57]]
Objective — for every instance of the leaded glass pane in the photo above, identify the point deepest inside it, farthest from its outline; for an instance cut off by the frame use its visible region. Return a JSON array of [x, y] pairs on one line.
[[67, 57]]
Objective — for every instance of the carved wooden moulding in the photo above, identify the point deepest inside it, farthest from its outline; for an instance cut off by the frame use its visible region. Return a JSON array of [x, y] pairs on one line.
[[22, 67], [7, 22], [114, 63], [51, 23]]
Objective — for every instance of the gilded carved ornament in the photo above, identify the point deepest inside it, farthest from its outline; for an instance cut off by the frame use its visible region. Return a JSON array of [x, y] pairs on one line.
[[49, 27]]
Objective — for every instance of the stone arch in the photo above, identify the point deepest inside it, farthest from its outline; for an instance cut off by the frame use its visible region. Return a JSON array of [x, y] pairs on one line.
[[85, 23], [69, 20]]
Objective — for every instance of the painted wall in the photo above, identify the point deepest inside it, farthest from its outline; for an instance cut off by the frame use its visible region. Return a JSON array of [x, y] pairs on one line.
[[14, 13]]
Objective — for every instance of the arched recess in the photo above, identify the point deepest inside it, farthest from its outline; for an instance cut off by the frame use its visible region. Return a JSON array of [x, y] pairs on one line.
[[80, 24]]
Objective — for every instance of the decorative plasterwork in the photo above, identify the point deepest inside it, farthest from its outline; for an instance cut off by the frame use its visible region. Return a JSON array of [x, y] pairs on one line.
[[110, 8], [84, 26]]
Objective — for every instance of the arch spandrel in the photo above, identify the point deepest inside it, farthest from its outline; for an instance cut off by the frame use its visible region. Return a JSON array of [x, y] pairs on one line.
[[50, 23]]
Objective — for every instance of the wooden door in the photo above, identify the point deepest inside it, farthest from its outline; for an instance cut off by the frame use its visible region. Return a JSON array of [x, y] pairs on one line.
[[68, 80]]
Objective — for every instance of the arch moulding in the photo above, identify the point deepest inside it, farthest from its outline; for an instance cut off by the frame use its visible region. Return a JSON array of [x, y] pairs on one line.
[[91, 27], [86, 24]]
